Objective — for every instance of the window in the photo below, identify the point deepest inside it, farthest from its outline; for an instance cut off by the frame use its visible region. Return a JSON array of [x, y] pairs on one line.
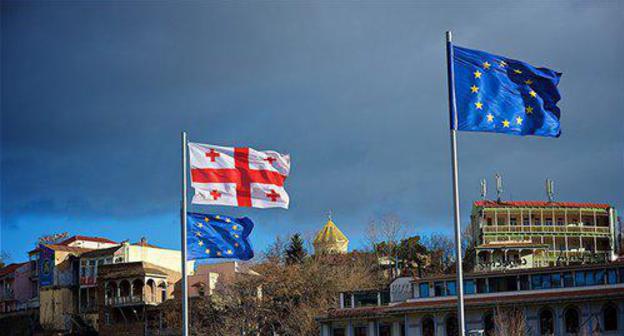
[[513, 221], [590, 278], [610, 318], [524, 282], [611, 276], [571, 318], [482, 286], [450, 288], [439, 289], [360, 331], [555, 280], [365, 299], [385, 329], [423, 289], [488, 325], [338, 331], [469, 286], [568, 279], [599, 276], [428, 327], [546, 322], [579, 279], [525, 222], [385, 297], [347, 300], [451, 326]]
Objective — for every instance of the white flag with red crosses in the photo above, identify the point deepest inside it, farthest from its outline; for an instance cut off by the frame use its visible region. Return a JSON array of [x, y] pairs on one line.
[[242, 177]]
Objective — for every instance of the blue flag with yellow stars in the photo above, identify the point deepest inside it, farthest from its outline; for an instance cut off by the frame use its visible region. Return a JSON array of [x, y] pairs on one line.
[[216, 236], [502, 95]]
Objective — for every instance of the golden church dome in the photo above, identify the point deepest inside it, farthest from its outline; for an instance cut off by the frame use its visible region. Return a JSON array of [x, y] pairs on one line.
[[330, 239]]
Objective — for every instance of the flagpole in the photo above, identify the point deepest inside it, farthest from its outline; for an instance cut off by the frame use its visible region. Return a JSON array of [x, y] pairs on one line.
[[453, 128], [185, 324]]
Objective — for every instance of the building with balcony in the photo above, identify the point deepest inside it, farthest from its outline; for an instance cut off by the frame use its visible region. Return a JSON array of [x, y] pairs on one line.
[[93, 262], [526, 234], [126, 290], [583, 299]]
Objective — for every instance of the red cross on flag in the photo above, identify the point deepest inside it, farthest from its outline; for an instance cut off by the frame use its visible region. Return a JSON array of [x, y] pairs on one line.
[[242, 177]]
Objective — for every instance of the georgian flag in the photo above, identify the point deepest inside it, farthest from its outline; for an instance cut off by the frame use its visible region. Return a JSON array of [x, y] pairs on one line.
[[242, 177]]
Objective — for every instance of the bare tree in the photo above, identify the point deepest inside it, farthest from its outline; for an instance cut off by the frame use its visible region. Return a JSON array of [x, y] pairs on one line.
[[384, 236], [510, 322]]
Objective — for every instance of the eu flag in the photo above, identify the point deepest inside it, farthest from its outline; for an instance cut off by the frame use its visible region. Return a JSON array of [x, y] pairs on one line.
[[216, 236], [502, 95]]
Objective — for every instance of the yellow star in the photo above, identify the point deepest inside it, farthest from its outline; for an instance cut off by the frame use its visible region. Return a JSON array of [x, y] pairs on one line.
[[227, 220], [200, 243], [236, 236], [198, 234], [218, 217], [474, 89], [479, 105], [517, 71], [529, 109], [486, 65], [477, 74], [519, 121], [505, 123], [208, 251], [235, 244], [528, 82], [533, 94], [219, 253], [207, 219], [490, 117], [200, 225], [502, 64], [229, 252], [234, 227]]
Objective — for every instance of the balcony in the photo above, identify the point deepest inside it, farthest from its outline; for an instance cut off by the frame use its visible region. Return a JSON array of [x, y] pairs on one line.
[[7, 295], [548, 229], [131, 300]]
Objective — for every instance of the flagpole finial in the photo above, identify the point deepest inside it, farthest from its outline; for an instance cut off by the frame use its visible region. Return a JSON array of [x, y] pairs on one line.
[[449, 36], [329, 214]]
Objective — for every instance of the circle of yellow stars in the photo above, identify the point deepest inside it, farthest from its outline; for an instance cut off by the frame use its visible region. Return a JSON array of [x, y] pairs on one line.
[[235, 235], [479, 105]]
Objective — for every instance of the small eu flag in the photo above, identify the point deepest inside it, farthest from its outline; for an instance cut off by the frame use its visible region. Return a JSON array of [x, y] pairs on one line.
[[502, 95], [216, 236]]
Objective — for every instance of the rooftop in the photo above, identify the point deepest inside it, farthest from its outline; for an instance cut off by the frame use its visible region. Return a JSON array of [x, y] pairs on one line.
[[8, 269], [539, 204], [87, 238]]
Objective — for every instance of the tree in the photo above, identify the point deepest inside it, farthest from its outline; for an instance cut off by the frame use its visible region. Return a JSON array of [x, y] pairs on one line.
[[295, 252]]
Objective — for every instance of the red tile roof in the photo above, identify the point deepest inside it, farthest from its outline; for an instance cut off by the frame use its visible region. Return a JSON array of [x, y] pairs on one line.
[[10, 268], [540, 204], [86, 238], [64, 248]]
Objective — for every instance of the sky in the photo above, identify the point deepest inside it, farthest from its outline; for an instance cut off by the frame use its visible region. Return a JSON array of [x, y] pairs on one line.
[[94, 96]]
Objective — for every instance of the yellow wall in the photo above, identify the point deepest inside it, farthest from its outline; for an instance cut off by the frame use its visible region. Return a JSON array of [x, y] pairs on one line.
[[55, 307]]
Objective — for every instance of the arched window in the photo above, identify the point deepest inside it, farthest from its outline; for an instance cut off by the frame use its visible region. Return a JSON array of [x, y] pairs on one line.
[[428, 327], [451, 326], [488, 325], [546, 322], [610, 318], [571, 318]]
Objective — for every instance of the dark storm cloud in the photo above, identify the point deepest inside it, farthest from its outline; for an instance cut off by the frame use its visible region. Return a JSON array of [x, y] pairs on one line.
[[94, 96]]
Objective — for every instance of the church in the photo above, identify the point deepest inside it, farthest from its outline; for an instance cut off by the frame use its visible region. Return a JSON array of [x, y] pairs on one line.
[[330, 240]]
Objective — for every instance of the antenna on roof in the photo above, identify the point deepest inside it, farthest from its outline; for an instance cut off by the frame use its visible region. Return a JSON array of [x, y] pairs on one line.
[[499, 187], [483, 189], [550, 190]]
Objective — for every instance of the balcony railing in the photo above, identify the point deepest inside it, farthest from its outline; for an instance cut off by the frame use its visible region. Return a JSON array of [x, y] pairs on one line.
[[130, 300], [7, 295], [546, 229]]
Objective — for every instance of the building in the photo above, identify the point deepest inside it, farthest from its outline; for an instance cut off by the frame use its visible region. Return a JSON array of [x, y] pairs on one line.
[[117, 283], [560, 300], [330, 239], [526, 234], [209, 278], [19, 298]]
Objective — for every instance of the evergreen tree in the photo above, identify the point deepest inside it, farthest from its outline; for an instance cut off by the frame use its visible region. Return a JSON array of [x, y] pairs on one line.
[[295, 253]]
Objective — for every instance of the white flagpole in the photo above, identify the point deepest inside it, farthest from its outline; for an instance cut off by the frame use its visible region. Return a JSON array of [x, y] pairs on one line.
[[453, 126], [185, 324]]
